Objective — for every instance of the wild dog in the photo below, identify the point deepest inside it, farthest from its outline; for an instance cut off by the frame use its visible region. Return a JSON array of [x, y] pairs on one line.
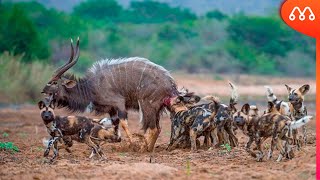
[[272, 124], [191, 122], [295, 108], [81, 129], [225, 128]]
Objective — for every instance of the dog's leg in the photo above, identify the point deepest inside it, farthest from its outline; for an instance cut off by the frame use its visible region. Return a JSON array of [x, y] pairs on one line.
[[248, 145], [46, 152], [273, 144], [258, 143], [232, 138], [281, 149], [220, 138], [207, 139], [55, 150], [193, 139], [305, 138], [89, 142]]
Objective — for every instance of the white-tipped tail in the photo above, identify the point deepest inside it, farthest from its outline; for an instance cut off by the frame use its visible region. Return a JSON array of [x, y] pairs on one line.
[[234, 93], [270, 95], [106, 122], [45, 142], [298, 123]]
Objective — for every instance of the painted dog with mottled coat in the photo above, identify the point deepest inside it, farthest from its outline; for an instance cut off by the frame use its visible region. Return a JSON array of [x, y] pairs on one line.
[[295, 108], [271, 124], [78, 128]]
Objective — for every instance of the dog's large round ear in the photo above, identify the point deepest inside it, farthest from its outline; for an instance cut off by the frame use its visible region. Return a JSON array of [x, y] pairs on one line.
[[233, 107], [52, 104], [245, 109], [270, 106], [288, 88], [194, 99], [304, 89], [179, 99], [41, 104]]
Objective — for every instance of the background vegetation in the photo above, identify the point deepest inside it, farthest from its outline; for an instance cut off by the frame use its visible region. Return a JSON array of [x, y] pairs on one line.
[[34, 39]]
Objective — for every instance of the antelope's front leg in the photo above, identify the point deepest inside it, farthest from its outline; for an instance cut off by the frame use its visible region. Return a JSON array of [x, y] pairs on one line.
[[124, 124]]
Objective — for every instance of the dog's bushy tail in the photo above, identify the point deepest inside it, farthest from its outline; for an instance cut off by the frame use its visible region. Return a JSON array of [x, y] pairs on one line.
[[298, 123], [45, 142], [234, 93], [270, 95]]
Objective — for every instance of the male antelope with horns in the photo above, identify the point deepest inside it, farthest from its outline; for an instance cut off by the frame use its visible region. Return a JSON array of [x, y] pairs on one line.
[[115, 86]]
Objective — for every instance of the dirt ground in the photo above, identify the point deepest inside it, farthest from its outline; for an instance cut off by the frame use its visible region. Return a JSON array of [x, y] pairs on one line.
[[24, 127]]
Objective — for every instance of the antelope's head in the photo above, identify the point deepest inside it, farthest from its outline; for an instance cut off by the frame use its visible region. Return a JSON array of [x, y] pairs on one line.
[[59, 85]]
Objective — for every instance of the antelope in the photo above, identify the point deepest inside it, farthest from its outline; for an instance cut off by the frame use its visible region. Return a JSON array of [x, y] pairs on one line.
[[113, 86]]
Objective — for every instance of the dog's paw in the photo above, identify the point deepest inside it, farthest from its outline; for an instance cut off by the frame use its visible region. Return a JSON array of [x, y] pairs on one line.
[[259, 157], [279, 158], [269, 155], [46, 153]]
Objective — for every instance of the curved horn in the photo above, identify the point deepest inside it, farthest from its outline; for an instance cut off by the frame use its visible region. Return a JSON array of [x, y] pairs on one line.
[[72, 61]]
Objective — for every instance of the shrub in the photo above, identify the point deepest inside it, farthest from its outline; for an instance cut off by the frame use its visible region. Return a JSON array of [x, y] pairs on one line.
[[21, 82]]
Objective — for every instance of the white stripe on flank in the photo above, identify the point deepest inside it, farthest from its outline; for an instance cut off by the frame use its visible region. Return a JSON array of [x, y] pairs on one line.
[[140, 112]]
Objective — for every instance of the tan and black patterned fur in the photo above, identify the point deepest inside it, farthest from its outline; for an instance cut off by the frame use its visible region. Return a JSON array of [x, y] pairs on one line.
[[78, 128], [271, 124]]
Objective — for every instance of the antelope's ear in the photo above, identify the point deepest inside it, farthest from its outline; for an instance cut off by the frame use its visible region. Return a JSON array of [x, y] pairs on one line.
[[41, 104], [245, 109], [69, 83], [304, 89], [288, 88]]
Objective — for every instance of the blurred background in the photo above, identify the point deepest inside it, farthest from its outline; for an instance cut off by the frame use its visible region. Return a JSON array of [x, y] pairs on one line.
[[198, 41]]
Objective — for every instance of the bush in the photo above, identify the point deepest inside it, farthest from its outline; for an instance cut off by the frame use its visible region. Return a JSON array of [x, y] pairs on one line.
[[22, 82], [19, 35]]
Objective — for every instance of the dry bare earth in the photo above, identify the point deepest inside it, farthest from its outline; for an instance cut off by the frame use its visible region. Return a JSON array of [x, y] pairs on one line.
[[26, 130]]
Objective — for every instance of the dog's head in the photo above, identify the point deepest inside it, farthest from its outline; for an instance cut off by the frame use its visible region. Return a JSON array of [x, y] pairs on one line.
[[111, 129], [241, 117], [183, 102], [46, 110], [297, 95]]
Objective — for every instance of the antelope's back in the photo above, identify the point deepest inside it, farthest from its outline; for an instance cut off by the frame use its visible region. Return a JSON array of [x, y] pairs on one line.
[[134, 78]]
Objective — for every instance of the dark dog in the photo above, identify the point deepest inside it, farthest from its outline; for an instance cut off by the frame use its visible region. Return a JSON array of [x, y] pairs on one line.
[[189, 122], [225, 128], [81, 129], [272, 124]]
